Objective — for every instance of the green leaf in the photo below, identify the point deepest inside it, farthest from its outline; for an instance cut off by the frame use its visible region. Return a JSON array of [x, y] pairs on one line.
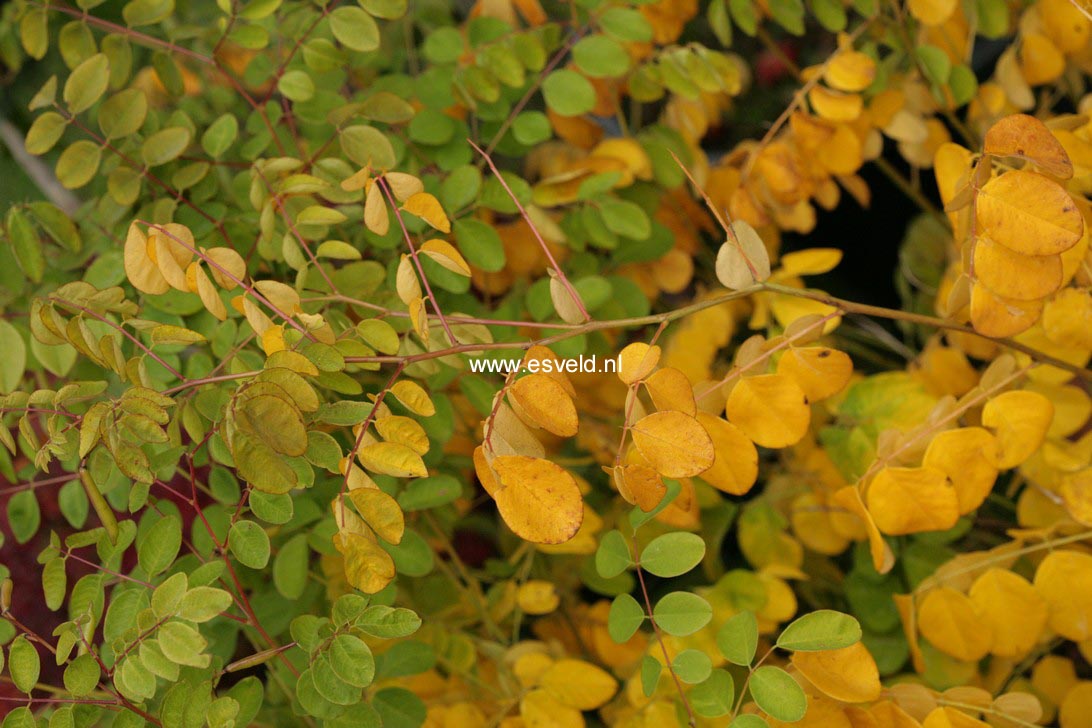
[[625, 618], [749, 721], [57, 225], [532, 127], [601, 56], [775, 692], [160, 545], [638, 517], [431, 127], [626, 24], [480, 244], [399, 708], [220, 135], [386, 9], [682, 613], [351, 660], [625, 218], [388, 622], [715, 696], [165, 146], [23, 664], [87, 83], [720, 21], [789, 14], [692, 666], [13, 363], [650, 674], [613, 556], [831, 14], [428, 493], [168, 596], [82, 675], [935, 62], [296, 85], [737, 638], [24, 515], [147, 12], [366, 145], [744, 15], [568, 93], [963, 83], [673, 554], [249, 543], [45, 132], [78, 164], [54, 582], [182, 644], [290, 573], [354, 29], [824, 629], [202, 603], [34, 32]]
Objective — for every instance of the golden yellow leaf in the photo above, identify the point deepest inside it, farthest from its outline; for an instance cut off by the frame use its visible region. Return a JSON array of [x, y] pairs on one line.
[[643, 485], [670, 389], [403, 430], [932, 12], [210, 298], [1025, 137], [954, 625], [428, 208], [226, 266], [1015, 275], [945, 717], [912, 500], [1076, 706], [1011, 609], [281, 295], [540, 358], [968, 456], [540, 709], [735, 462], [820, 371], [403, 186], [579, 684], [367, 566], [999, 317], [1067, 318], [636, 361], [418, 315], [392, 458], [446, 255], [1028, 213], [406, 283], [1040, 59], [848, 674], [139, 266], [537, 596], [358, 180], [376, 218], [1064, 24], [835, 105], [172, 250], [415, 399], [1064, 580], [381, 512], [1020, 420], [674, 443], [273, 340], [545, 403], [538, 499], [850, 70], [770, 409]]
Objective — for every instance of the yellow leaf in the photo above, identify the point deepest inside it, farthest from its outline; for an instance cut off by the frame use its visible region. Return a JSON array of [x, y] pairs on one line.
[[537, 596], [820, 371], [538, 499], [170, 255], [579, 684], [415, 399], [428, 208], [376, 218], [954, 625], [1064, 24], [567, 302], [227, 267], [139, 266], [835, 105], [743, 259], [1020, 420], [1014, 275], [446, 255], [1028, 213], [951, 718], [367, 566], [392, 458], [771, 409], [850, 70], [210, 298], [281, 295], [418, 316], [403, 186], [968, 456], [545, 403], [670, 389], [273, 340], [1067, 318], [405, 281], [912, 500], [358, 180], [1011, 609], [932, 12], [674, 443], [995, 316], [381, 512], [640, 485], [848, 674], [540, 709], [1064, 580], [1076, 707], [636, 361], [505, 434], [1040, 59], [1025, 137], [735, 464]]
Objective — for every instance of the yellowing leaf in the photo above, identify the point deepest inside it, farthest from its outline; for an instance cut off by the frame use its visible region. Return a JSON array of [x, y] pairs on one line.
[[912, 500], [540, 708], [1020, 420], [810, 262], [945, 717], [579, 684], [545, 403], [850, 70], [1025, 137], [636, 361], [1064, 580], [1011, 609], [415, 399], [640, 485], [932, 12], [674, 443], [567, 301], [735, 464], [367, 566], [403, 430], [743, 259], [848, 674], [968, 456], [403, 186], [820, 371], [381, 512], [428, 208], [392, 458], [139, 266], [226, 266], [446, 255], [1028, 213], [376, 218], [1014, 275], [995, 316], [954, 625], [538, 499], [770, 409], [537, 596]]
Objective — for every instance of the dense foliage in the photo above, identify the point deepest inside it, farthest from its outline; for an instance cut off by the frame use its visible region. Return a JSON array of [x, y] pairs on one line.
[[270, 453]]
